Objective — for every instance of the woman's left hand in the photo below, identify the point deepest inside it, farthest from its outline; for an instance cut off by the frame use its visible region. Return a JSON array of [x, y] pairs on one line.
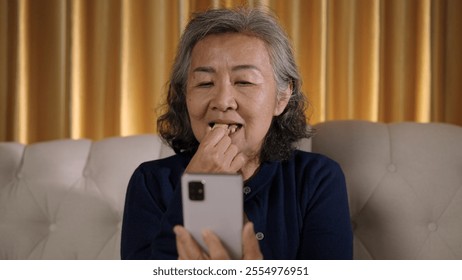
[[189, 249]]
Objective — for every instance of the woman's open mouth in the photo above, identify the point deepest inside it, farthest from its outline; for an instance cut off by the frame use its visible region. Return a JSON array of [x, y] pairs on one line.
[[232, 127]]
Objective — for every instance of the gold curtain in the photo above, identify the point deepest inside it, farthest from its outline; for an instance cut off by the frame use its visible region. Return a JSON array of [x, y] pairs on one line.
[[98, 68]]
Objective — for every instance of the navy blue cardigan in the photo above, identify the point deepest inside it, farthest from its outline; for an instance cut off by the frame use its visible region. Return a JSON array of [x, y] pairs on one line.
[[299, 208]]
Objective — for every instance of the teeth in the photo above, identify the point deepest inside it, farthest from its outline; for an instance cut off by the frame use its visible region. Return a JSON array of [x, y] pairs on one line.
[[232, 128]]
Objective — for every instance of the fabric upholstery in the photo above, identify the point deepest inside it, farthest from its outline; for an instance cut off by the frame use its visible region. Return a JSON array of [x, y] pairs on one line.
[[405, 186], [64, 199]]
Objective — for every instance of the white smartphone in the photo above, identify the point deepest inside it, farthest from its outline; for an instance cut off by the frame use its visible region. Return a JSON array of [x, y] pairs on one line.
[[215, 202]]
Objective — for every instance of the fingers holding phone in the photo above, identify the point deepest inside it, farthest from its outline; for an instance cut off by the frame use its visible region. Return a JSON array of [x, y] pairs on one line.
[[189, 249], [250, 246]]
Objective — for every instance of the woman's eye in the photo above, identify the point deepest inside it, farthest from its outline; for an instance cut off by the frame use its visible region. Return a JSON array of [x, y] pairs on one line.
[[244, 83], [205, 84]]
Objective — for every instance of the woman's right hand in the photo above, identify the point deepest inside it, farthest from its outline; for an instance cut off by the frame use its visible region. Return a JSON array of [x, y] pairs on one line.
[[189, 249], [217, 154]]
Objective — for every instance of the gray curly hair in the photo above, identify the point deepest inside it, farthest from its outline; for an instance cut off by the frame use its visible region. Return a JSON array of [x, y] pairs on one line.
[[286, 129]]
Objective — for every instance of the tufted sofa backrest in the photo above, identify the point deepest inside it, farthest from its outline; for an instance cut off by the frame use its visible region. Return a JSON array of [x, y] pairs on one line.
[[64, 199], [405, 186]]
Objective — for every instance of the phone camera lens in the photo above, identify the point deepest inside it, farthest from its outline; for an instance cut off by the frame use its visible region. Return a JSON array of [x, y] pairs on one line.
[[196, 190]]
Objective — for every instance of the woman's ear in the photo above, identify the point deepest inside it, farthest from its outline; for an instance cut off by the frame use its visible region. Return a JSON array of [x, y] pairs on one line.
[[282, 100]]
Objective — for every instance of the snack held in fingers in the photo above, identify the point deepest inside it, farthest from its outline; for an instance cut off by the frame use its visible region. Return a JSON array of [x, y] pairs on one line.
[[222, 125], [232, 128]]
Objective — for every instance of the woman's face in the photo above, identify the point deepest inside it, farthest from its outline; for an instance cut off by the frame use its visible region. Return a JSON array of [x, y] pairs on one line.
[[231, 82]]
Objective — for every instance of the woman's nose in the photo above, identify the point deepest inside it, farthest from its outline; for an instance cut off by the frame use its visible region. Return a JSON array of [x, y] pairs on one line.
[[224, 98]]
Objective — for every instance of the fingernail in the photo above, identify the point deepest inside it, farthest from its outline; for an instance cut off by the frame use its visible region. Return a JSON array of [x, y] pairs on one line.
[[205, 232], [250, 226], [177, 231]]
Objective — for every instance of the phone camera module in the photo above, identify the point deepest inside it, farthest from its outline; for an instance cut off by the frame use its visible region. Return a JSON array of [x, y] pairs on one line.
[[196, 190]]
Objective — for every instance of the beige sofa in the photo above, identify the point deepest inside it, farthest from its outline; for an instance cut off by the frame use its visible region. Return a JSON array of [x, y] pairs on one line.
[[64, 199]]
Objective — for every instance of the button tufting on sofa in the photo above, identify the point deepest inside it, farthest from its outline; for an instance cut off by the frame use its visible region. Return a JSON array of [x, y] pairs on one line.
[[52, 227], [391, 168], [432, 227]]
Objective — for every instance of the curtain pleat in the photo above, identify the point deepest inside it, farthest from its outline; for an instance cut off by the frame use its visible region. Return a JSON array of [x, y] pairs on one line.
[[98, 68], [453, 60]]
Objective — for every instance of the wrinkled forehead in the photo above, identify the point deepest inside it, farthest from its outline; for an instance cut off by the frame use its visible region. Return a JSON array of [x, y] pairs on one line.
[[231, 48]]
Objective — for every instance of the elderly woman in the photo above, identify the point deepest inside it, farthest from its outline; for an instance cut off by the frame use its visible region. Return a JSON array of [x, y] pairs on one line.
[[236, 68]]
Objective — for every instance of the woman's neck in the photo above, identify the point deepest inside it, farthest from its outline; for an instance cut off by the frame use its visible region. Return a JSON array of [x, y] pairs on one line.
[[250, 168]]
